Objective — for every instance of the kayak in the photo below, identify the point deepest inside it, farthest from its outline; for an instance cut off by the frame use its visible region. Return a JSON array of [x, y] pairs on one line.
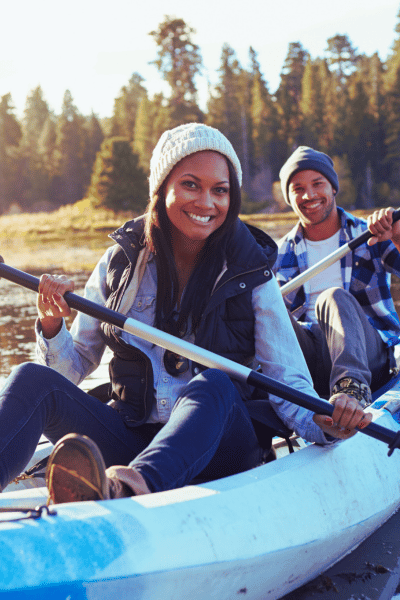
[[256, 535]]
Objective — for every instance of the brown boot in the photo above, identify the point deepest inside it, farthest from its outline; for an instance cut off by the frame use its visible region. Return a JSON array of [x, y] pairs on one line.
[[76, 471]]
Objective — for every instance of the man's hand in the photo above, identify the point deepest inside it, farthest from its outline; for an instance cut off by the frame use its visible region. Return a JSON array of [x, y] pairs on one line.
[[347, 416], [381, 225]]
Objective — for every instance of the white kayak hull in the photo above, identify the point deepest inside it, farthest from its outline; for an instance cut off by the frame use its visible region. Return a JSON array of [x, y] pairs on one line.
[[256, 535]]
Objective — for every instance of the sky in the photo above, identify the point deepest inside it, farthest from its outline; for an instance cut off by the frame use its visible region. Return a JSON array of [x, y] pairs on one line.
[[93, 47]]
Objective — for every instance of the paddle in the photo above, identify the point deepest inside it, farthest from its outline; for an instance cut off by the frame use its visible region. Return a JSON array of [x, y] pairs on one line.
[[329, 260], [199, 355]]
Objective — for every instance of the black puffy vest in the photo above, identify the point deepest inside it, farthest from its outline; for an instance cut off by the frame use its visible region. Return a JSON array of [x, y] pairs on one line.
[[226, 327]]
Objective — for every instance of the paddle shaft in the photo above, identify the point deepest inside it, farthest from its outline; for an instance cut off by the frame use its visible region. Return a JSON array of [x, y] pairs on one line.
[[329, 260], [195, 353]]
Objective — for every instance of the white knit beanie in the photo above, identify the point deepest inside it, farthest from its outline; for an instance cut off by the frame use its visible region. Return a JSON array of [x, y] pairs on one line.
[[183, 140]]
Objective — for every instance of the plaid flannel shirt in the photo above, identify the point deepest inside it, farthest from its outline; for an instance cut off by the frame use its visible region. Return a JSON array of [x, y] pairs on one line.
[[365, 274]]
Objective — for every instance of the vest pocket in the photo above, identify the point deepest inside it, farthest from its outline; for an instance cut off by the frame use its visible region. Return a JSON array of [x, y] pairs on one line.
[[132, 387]]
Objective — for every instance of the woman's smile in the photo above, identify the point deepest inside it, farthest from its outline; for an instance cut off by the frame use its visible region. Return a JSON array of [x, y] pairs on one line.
[[199, 218]]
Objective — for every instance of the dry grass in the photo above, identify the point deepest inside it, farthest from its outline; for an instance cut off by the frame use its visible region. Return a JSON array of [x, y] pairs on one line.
[[78, 219], [74, 237]]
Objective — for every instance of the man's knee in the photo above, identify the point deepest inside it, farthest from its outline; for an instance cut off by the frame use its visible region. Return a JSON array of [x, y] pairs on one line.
[[334, 297]]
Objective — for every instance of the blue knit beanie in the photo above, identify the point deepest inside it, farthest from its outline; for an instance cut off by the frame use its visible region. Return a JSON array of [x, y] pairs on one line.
[[305, 158]]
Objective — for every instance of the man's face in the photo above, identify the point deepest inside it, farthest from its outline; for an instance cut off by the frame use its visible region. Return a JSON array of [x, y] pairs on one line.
[[311, 196]]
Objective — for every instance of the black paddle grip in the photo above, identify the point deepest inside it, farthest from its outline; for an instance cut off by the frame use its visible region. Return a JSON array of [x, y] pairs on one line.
[[364, 237]]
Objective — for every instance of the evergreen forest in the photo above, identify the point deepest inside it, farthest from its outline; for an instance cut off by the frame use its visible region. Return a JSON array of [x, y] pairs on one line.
[[343, 103]]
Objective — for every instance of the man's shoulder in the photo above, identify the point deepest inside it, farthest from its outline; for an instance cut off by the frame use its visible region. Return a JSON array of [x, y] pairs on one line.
[[294, 235]]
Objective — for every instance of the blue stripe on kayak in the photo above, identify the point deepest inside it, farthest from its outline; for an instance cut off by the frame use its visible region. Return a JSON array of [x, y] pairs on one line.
[[70, 591], [64, 549]]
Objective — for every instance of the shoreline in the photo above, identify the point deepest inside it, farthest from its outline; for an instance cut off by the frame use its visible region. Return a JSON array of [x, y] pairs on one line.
[[75, 237], [67, 256], [77, 252]]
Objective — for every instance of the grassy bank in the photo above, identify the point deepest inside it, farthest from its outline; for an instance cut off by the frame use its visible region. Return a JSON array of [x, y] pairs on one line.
[[79, 220], [75, 236], [71, 238]]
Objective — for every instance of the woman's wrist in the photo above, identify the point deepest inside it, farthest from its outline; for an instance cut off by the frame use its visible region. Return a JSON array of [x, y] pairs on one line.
[[50, 326]]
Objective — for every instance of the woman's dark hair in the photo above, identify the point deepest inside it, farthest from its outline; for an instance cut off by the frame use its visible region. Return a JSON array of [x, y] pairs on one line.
[[210, 261]]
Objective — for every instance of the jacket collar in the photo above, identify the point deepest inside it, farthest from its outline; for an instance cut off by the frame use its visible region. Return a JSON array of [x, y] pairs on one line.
[[247, 247], [347, 220]]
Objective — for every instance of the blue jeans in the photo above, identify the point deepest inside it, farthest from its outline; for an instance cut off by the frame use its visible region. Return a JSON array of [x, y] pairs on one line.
[[209, 432]]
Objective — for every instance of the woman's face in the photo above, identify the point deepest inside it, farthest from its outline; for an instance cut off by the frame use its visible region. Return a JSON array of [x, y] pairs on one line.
[[197, 197]]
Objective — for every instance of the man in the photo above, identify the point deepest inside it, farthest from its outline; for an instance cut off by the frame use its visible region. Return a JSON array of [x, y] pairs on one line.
[[344, 318]]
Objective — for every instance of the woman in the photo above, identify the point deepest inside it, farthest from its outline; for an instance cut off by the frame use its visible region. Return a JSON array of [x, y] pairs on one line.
[[192, 268]]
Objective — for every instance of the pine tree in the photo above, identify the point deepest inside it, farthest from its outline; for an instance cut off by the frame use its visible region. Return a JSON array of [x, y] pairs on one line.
[[35, 115], [117, 180], [288, 98], [370, 72], [263, 120], [47, 143], [144, 136], [391, 85], [48, 158], [332, 124], [342, 57], [225, 105], [93, 137], [70, 153], [312, 105], [358, 140], [152, 119], [10, 126], [126, 107], [10, 136], [179, 61]]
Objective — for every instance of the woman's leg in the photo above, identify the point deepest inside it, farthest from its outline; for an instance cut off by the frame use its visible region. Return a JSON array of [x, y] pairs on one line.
[[36, 400], [209, 431]]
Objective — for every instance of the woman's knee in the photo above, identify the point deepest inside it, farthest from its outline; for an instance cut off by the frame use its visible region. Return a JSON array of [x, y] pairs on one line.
[[214, 377], [213, 386], [28, 375]]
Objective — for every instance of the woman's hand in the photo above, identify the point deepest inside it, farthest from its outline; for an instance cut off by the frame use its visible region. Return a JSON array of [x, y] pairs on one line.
[[52, 307], [347, 415], [381, 225]]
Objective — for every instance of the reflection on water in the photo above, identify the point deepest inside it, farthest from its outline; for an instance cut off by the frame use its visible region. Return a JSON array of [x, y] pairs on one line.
[[17, 319]]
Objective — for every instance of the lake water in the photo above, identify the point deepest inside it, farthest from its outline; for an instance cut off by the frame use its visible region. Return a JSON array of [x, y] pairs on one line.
[[17, 320]]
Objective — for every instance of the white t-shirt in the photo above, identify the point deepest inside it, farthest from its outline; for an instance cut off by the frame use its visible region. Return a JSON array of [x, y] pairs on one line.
[[330, 277]]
